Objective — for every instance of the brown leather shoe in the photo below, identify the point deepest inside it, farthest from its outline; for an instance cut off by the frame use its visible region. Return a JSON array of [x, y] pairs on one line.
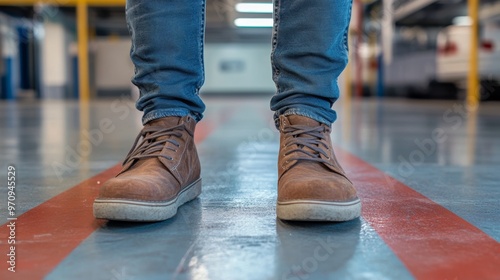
[[159, 174], [311, 184]]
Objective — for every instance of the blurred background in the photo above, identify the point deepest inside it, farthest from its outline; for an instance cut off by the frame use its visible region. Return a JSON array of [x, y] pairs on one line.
[[410, 135], [432, 49]]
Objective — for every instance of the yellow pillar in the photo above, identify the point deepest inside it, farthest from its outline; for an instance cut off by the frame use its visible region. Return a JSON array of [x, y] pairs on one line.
[[473, 77], [83, 49], [471, 138]]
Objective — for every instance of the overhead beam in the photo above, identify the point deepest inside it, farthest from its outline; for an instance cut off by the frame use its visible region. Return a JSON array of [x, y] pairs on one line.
[[410, 8]]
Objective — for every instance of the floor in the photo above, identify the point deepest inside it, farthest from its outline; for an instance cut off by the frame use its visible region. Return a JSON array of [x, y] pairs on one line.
[[426, 171]]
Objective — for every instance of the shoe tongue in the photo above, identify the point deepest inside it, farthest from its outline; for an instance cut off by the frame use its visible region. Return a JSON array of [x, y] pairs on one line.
[[165, 122], [301, 120]]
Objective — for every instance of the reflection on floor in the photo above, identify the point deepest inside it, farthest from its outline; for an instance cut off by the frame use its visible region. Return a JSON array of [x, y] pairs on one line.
[[427, 172]]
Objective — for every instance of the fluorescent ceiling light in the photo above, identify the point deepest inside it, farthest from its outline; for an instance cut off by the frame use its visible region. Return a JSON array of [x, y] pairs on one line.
[[462, 20], [264, 8], [253, 22]]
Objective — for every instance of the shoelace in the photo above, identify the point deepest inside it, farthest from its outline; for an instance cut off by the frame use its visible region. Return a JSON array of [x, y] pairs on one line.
[[150, 146], [305, 136]]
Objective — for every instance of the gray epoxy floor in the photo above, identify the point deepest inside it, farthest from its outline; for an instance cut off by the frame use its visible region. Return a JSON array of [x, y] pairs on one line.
[[231, 232]]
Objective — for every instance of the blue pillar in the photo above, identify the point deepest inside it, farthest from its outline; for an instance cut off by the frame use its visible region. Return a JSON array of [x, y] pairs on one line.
[[23, 33], [75, 87], [7, 91]]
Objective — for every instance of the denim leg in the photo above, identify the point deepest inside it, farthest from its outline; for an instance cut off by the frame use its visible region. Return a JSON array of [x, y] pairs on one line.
[[309, 52], [167, 51]]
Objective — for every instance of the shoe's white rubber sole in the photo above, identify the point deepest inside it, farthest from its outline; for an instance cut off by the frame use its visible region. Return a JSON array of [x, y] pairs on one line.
[[313, 210], [144, 211]]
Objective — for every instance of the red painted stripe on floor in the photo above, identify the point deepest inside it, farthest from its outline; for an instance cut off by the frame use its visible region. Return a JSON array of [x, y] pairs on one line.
[[49, 232], [430, 240]]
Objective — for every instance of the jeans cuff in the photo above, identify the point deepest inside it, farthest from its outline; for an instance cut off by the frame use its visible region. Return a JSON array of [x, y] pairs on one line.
[[300, 112], [157, 114]]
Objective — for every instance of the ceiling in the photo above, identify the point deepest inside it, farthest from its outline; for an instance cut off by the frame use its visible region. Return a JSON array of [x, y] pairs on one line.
[[220, 15]]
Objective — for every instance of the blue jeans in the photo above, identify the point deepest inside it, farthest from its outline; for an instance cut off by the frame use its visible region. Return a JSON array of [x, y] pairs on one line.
[[309, 51]]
